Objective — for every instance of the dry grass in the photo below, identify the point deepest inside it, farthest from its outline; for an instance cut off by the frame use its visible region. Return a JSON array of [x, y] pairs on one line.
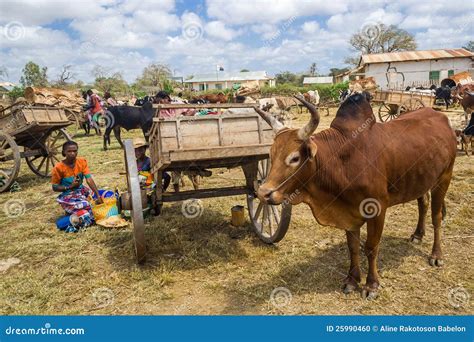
[[206, 266]]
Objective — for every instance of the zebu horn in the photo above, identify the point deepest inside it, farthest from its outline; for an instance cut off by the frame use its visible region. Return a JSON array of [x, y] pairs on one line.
[[274, 123], [305, 132]]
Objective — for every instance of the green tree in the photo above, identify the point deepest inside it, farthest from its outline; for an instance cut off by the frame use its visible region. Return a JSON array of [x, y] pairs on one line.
[[105, 80], [244, 70], [154, 75], [469, 46], [337, 71], [34, 75], [286, 77], [312, 69], [380, 38]]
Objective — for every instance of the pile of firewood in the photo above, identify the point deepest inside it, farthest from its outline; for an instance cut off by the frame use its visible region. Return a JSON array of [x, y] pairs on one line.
[[71, 100]]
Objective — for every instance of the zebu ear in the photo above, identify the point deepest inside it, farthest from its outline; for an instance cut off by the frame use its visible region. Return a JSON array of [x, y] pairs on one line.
[[312, 147]]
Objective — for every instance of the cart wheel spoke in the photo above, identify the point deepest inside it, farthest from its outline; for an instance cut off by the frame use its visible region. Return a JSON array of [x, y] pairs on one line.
[[10, 161], [270, 222]]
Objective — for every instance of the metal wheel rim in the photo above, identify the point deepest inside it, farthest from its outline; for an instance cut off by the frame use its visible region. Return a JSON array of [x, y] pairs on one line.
[[42, 164], [9, 151], [137, 209], [270, 222]]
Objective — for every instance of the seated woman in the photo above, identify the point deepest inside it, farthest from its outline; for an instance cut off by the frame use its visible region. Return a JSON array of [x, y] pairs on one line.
[[67, 178], [144, 165]]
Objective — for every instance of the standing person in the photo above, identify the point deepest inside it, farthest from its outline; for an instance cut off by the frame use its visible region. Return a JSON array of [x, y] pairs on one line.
[[109, 100], [67, 177], [95, 110]]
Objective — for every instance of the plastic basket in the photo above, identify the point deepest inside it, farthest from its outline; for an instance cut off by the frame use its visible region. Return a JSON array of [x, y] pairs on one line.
[[105, 210]]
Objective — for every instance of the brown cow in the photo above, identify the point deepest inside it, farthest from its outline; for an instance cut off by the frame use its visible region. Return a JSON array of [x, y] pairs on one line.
[[211, 98], [350, 173]]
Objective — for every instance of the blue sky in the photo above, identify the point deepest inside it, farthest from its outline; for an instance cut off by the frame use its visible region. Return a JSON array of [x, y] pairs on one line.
[[194, 36]]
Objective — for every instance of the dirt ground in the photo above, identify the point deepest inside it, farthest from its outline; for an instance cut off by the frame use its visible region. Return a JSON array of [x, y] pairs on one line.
[[206, 266]]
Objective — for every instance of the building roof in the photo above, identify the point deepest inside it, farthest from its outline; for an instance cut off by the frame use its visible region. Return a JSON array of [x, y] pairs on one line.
[[414, 56], [318, 80], [230, 76], [7, 85]]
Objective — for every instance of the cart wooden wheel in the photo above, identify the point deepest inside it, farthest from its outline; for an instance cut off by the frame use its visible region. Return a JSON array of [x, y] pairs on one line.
[[136, 201], [10, 161], [74, 128], [410, 105], [49, 153], [270, 222], [388, 112]]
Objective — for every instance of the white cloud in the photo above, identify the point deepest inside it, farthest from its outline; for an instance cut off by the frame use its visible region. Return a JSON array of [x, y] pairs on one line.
[[217, 29], [270, 11], [310, 27], [274, 35]]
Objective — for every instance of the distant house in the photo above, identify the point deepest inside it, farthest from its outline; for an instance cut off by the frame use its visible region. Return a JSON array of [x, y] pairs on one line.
[[5, 88], [397, 70], [227, 80], [318, 80]]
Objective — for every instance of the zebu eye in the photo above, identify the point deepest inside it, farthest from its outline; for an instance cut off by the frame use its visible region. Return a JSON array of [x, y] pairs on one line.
[[294, 160]]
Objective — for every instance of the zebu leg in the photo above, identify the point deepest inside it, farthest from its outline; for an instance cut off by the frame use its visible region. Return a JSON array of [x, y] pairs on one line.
[[353, 278], [117, 136], [423, 203], [437, 203], [374, 234]]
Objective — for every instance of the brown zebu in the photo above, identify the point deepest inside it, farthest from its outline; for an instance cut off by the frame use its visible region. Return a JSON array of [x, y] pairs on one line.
[[352, 172]]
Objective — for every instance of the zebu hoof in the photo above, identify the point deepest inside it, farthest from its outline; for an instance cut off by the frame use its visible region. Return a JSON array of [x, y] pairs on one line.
[[369, 293], [349, 288], [415, 239], [435, 261]]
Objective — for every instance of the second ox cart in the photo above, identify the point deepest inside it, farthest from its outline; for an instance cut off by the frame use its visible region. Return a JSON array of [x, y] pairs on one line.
[[202, 143], [393, 103]]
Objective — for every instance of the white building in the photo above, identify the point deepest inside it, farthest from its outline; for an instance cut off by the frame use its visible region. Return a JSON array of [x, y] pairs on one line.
[[226, 80], [397, 70], [318, 80]]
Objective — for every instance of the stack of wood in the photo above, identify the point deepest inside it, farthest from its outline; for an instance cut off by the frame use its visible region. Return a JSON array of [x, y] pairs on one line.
[[71, 100], [249, 88]]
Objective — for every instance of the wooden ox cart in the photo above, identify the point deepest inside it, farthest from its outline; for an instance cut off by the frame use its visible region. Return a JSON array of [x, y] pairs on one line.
[[39, 132], [201, 143], [394, 103]]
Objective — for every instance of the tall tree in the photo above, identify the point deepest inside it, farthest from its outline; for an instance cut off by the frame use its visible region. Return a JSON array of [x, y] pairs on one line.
[[469, 46], [381, 38], [312, 69], [337, 71], [154, 75], [286, 77], [65, 75], [33, 75]]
